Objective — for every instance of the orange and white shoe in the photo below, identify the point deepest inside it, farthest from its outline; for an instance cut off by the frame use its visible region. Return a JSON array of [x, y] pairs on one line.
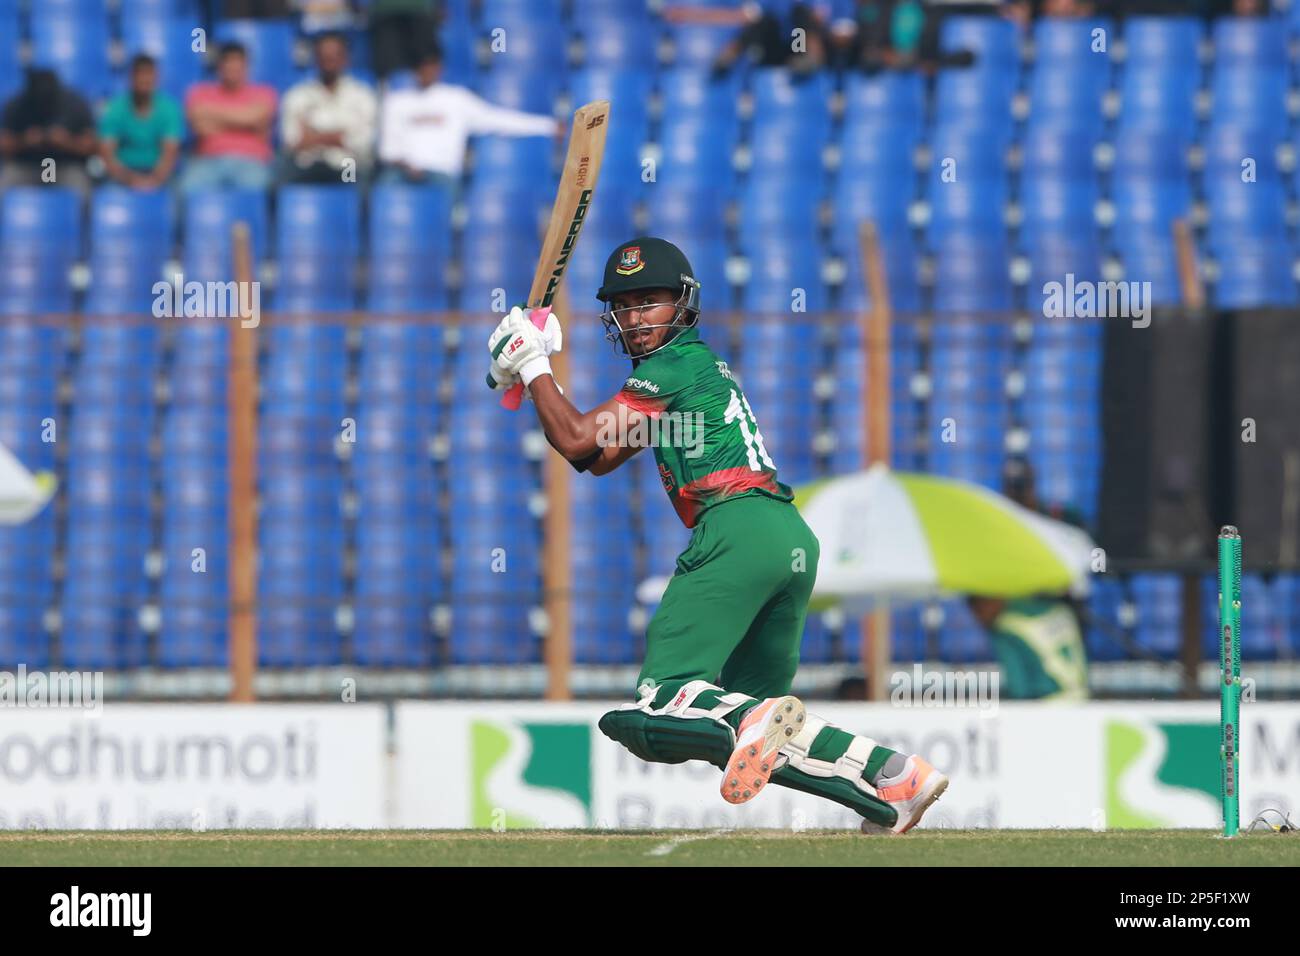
[[910, 793], [763, 732]]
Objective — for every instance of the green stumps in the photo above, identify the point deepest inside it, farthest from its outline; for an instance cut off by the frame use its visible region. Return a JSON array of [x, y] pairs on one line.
[[1229, 675]]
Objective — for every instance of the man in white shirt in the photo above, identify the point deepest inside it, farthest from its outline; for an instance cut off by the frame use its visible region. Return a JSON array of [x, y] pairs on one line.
[[424, 130], [327, 123]]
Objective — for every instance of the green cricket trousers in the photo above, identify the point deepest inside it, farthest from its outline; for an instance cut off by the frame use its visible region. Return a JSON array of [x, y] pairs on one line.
[[733, 614]]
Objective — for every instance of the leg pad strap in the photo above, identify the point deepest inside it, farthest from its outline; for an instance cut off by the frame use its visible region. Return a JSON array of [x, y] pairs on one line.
[[680, 730]]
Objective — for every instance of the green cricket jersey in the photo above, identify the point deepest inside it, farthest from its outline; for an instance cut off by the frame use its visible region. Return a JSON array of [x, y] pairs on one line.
[[709, 448], [1040, 647]]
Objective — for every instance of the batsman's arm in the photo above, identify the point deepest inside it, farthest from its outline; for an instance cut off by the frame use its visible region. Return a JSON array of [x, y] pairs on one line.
[[587, 439]]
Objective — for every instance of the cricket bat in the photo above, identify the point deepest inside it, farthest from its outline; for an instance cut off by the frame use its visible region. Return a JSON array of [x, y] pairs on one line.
[[572, 200]]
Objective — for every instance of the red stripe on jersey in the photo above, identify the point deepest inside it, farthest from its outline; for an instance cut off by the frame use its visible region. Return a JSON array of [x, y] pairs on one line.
[[717, 485], [646, 405]]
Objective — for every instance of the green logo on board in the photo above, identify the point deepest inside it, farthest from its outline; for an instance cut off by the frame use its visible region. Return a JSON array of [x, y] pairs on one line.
[[529, 774]]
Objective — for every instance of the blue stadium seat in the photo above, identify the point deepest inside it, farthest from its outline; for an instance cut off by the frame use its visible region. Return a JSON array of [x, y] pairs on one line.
[[458, 38], [994, 42], [781, 95], [694, 95], [11, 73], [531, 89], [617, 38], [1158, 601], [889, 99], [411, 218], [695, 154], [209, 217], [410, 239], [979, 95], [26, 561], [901, 272], [73, 40], [1068, 79], [1169, 43], [1055, 253], [788, 204], [40, 216], [1249, 96], [131, 218], [494, 12], [1060, 207], [784, 275], [971, 275], [1257, 42], [318, 219], [1154, 98], [1254, 270], [315, 282], [783, 152], [490, 264], [869, 197], [697, 46], [868, 149]]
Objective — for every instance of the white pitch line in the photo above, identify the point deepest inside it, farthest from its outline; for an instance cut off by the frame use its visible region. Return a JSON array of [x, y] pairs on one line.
[[664, 849]]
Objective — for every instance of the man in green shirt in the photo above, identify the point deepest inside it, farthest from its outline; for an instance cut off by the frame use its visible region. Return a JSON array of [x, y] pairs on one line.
[[141, 130], [1038, 640], [723, 646]]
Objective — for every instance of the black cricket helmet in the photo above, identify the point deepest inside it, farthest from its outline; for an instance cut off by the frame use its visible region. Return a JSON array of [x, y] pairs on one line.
[[647, 262]]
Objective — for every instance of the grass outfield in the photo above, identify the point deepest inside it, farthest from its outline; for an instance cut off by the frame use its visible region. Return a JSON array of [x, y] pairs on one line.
[[645, 848]]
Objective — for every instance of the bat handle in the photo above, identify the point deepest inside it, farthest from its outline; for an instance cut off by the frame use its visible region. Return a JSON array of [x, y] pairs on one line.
[[514, 396]]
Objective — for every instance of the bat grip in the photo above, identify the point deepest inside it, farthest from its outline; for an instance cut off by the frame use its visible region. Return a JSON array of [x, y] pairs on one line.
[[514, 396]]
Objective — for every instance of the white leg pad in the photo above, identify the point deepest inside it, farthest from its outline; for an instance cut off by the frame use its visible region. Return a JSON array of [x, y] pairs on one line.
[[849, 766]]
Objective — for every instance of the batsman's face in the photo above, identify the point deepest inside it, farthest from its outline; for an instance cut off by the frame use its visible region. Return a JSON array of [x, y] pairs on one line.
[[645, 318]]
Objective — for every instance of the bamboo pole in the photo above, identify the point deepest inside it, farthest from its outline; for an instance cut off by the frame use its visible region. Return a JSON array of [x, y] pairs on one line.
[[876, 649], [241, 402], [1193, 291], [557, 568]]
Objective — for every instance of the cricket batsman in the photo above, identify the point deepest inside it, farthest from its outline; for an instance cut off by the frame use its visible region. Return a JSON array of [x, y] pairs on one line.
[[723, 646]]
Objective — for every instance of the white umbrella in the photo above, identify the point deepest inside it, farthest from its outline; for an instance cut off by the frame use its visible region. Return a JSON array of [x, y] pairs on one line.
[[912, 536], [22, 494]]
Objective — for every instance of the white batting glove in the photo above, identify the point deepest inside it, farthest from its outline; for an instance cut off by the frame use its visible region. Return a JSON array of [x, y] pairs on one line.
[[523, 353], [553, 334], [501, 380]]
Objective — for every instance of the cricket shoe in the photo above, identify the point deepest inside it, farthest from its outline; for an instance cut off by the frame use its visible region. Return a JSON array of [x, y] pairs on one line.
[[763, 732], [910, 793]]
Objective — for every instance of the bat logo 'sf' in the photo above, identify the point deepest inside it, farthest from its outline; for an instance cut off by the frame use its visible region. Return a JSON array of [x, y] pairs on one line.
[[595, 121]]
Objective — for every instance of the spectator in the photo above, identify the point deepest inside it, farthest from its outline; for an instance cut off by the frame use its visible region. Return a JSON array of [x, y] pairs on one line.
[[891, 33], [327, 124], [323, 16], [766, 35], [254, 9], [141, 130], [232, 121], [1067, 8], [46, 121], [1038, 640], [900, 35], [424, 131], [401, 33]]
